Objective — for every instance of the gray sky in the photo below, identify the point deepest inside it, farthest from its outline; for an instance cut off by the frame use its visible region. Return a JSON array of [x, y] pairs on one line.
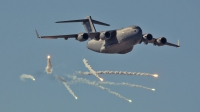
[[177, 87]]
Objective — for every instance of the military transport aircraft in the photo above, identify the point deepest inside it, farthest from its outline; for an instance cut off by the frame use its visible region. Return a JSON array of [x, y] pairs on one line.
[[120, 41]]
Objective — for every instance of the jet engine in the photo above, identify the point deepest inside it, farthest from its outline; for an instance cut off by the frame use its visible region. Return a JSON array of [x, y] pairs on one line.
[[105, 35], [146, 38], [82, 37], [160, 41]]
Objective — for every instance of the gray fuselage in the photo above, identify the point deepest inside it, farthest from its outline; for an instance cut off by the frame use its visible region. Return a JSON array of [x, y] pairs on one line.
[[121, 41]]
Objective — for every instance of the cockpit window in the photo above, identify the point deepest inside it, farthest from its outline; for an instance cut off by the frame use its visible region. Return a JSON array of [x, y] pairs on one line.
[[135, 27]]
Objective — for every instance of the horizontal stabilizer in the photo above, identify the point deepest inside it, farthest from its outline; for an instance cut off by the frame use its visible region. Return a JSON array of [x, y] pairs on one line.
[[100, 23], [69, 21], [84, 20]]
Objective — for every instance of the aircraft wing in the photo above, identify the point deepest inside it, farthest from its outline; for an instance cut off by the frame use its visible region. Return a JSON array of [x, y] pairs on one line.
[[96, 35], [167, 43], [92, 34], [57, 36], [174, 45]]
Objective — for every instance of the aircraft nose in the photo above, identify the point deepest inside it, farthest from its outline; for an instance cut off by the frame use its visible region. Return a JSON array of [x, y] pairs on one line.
[[137, 27], [138, 31]]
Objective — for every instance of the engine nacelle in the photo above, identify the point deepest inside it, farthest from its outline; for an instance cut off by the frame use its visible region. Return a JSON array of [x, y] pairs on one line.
[[161, 41], [147, 37], [82, 37], [105, 35]]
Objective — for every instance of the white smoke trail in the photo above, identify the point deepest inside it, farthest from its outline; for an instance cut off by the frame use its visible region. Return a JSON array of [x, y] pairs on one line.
[[119, 73], [49, 65], [126, 84], [67, 86], [48, 70], [75, 79], [26, 76], [115, 93], [91, 70], [70, 91]]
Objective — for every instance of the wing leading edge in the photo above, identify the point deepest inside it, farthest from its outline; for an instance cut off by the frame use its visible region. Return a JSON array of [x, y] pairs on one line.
[[93, 34], [154, 41], [57, 36], [174, 45]]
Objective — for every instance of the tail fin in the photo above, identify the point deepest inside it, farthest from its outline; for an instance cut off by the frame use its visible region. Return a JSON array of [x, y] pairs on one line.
[[89, 26], [88, 23]]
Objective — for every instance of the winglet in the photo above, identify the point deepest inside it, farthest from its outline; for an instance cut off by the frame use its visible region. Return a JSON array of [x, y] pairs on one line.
[[38, 36], [178, 43]]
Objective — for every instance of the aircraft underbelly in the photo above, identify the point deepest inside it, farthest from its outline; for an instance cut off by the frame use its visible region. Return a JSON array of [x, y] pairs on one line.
[[95, 45], [115, 48], [123, 44], [122, 41]]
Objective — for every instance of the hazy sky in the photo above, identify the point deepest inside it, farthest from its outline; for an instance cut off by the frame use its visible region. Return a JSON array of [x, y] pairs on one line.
[[177, 87]]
